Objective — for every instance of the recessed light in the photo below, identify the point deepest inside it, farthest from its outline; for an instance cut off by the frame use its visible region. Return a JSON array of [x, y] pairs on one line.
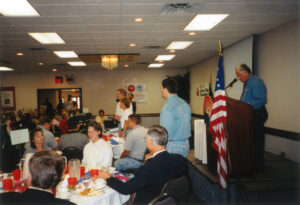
[[126, 65], [156, 65], [132, 45], [76, 63], [17, 8], [205, 22], [54, 69], [138, 20], [179, 45], [164, 57], [40, 63], [47, 38], [192, 33], [19, 54], [6, 69], [172, 51], [66, 54]]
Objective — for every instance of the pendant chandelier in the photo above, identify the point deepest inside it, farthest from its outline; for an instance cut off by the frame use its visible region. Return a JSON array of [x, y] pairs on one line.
[[109, 62]]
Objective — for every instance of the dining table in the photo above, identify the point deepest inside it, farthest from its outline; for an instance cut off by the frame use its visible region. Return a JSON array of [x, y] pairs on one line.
[[109, 196]]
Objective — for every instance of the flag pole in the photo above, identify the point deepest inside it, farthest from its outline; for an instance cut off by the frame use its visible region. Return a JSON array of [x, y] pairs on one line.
[[220, 49]]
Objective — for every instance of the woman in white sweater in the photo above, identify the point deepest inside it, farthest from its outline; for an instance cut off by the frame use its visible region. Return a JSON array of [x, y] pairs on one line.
[[97, 153]]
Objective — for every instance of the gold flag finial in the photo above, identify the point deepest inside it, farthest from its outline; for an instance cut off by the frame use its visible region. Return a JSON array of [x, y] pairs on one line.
[[220, 49]]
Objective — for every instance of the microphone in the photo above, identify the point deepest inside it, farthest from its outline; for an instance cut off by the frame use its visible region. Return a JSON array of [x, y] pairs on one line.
[[231, 83]]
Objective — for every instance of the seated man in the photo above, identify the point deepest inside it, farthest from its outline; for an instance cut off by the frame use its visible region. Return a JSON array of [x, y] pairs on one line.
[[73, 139], [45, 171], [135, 145], [50, 141], [153, 175]]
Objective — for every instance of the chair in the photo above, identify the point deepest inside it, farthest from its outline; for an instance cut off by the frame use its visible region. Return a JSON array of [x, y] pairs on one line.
[[72, 153], [178, 188], [163, 199]]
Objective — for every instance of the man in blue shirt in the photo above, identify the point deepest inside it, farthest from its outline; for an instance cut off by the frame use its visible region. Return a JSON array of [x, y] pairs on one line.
[[255, 94], [175, 116]]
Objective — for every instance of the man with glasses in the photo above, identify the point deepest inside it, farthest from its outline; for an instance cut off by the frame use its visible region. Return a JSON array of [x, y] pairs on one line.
[[255, 94], [154, 174]]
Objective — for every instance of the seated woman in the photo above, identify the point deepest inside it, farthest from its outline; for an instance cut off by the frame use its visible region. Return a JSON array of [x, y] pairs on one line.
[[97, 152], [101, 117], [37, 140]]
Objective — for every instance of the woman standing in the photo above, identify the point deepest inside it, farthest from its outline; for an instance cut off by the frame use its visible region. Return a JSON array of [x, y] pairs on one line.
[[97, 152]]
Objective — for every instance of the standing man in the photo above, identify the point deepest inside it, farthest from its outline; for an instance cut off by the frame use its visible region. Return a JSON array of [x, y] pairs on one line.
[[255, 94], [135, 145], [175, 116]]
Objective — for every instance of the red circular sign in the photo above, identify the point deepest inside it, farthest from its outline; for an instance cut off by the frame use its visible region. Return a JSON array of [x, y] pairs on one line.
[[131, 88]]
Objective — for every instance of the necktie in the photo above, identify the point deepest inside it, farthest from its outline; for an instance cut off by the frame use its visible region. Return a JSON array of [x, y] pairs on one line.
[[243, 91]]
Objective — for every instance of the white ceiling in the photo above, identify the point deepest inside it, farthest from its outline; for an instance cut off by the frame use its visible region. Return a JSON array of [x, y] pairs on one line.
[[107, 27]]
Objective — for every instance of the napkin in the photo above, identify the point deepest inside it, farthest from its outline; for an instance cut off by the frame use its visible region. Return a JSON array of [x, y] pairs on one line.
[[62, 188], [113, 142]]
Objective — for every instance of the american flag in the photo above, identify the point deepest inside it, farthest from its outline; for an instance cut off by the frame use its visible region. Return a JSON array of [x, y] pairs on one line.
[[217, 125]]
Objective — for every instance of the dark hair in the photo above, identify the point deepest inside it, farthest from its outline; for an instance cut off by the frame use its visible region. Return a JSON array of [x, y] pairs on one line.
[[46, 169], [44, 120], [244, 67], [96, 127], [101, 111], [135, 118], [122, 92], [158, 134], [171, 84], [32, 144], [126, 102]]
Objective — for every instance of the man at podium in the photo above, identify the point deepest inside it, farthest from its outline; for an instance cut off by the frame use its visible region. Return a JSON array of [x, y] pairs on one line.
[[254, 94]]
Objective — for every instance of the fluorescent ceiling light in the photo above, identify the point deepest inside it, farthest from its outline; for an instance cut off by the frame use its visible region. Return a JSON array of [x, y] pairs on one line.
[[179, 45], [5, 69], [66, 54], [156, 65], [164, 57], [77, 63], [205, 22], [47, 38], [17, 8]]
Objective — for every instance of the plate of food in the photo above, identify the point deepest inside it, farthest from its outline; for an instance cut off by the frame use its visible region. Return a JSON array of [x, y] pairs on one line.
[[90, 192]]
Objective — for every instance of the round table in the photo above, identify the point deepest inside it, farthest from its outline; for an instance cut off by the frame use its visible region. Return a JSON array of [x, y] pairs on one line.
[[110, 197]]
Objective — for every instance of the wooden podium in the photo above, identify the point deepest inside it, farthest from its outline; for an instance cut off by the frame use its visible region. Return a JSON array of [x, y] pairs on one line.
[[240, 141]]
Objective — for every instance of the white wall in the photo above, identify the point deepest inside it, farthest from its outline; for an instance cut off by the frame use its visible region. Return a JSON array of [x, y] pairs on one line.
[[279, 67], [98, 87]]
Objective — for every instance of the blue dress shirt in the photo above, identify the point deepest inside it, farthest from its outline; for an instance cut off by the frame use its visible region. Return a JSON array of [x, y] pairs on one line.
[[255, 92], [175, 116]]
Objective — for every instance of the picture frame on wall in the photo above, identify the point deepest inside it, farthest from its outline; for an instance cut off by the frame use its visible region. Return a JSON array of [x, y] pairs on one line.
[[7, 99]]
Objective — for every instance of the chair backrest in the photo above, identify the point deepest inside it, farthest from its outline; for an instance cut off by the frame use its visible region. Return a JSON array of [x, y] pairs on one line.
[[73, 153], [163, 199], [178, 188]]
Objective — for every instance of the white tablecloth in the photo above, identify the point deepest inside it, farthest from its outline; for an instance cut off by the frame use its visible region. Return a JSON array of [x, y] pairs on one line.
[[110, 197], [200, 140]]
